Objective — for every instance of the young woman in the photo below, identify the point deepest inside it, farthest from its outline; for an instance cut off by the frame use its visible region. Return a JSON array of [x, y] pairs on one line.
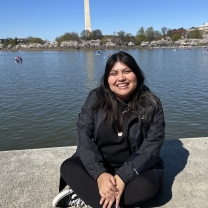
[[120, 133]]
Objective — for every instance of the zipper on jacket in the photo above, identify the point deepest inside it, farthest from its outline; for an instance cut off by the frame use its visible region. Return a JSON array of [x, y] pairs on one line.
[[127, 132], [127, 135]]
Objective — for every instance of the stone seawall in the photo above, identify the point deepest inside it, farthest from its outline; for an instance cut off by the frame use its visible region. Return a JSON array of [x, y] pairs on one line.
[[29, 178]]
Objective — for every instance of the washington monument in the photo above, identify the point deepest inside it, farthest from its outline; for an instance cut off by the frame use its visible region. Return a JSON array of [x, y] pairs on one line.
[[87, 15]]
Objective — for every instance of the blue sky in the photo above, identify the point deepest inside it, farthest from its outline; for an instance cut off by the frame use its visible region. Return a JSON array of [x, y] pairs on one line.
[[48, 19]]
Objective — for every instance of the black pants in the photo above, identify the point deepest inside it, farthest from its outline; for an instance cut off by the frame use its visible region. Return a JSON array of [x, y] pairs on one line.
[[141, 189]]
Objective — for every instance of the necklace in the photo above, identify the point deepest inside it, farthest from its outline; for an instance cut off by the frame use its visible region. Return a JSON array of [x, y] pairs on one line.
[[121, 133], [122, 102]]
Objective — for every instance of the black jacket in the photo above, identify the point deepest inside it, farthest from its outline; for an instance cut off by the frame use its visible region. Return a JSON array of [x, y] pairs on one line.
[[144, 144]]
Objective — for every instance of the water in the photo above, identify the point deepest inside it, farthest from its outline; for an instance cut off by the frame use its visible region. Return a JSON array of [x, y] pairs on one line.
[[40, 99]]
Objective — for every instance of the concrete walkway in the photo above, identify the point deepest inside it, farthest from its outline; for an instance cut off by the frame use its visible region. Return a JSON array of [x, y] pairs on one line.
[[29, 178]]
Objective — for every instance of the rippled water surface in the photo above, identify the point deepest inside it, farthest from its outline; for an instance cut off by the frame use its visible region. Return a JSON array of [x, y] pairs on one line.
[[41, 97]]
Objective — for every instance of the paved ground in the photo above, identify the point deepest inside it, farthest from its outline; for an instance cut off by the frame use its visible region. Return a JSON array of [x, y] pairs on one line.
[[29, 178]]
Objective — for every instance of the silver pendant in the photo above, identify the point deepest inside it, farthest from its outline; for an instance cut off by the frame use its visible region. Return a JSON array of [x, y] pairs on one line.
[[120, 133]]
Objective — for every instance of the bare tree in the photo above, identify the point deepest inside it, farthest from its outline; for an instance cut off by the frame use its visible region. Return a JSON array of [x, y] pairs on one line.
[[164, 30], [157, 35], [121, 35], [169, 33], [85, 34], [96, 34]]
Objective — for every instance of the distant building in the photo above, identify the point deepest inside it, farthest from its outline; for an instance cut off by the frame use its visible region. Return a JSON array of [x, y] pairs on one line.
[[203, 27], [19, 40], [181, 31], [191, 29], [22, 40], [5, 40]]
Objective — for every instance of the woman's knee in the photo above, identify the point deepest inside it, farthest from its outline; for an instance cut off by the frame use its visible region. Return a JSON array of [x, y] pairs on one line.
[[151, 183], [141, 189], [70, 164], [64, 166]]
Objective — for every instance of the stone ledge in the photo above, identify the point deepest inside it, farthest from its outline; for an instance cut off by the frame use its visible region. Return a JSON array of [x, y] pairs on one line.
[[29, 178]]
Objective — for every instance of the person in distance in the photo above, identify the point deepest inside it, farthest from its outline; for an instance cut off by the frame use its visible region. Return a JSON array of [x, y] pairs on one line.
[[120, 133]]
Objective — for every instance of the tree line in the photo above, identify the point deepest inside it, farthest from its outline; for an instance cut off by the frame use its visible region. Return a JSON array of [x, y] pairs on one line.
[[120, 38], [15, 41]]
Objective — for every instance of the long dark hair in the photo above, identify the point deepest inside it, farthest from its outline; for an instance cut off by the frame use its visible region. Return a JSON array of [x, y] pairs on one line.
[[142, 101]]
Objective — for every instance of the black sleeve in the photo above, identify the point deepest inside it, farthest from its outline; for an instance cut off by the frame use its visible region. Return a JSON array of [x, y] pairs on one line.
[[87, 150]]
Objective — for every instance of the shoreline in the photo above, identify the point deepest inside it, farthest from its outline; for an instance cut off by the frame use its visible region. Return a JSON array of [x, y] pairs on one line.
[[101, 48]]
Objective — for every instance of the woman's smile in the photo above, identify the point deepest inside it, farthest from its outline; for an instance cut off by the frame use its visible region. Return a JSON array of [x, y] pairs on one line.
[[122, 86], [122, 81]]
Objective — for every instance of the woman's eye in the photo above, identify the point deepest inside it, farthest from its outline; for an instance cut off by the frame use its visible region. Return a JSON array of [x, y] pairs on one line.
[[113, 74], [127, 71]]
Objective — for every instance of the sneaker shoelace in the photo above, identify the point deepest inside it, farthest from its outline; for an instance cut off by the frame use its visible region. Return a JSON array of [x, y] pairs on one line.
[[77, 202]]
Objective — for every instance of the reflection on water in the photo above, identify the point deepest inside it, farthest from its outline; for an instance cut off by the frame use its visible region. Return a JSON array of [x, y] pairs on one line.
[[90, 69], [40, 99]]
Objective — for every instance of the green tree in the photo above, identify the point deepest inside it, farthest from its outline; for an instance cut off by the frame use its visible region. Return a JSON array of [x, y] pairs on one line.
[[105, 39], [6, 44], [149, 32], [6, 41], [37, 40], [67, 37], [74, 36], [12, 42], [140, 36], [195, 34], [141, 31], [34, 40], [15, 41], [176, 37], [29, 38]]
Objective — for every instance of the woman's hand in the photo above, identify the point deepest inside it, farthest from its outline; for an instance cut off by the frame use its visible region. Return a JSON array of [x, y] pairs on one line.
[[107, 186], [107, 202], [120, 185]]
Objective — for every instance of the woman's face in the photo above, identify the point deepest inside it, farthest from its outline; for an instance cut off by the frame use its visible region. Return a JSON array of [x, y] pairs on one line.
[[122, 81]]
